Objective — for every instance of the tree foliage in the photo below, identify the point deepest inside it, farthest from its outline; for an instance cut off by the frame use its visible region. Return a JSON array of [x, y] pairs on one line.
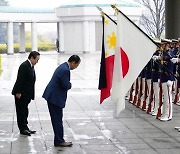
[[3, 3], [3, 31], [153, 18], [41, 38]]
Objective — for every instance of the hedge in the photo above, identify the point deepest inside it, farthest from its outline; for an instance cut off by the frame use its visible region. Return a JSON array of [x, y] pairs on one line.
[[41, 47]]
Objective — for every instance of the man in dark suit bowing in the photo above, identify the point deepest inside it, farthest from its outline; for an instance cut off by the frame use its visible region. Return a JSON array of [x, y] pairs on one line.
[[23, 91], [56, 94]]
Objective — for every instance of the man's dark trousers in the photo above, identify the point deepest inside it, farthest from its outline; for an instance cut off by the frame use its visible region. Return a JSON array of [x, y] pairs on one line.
[[56, 114], [22, 112]]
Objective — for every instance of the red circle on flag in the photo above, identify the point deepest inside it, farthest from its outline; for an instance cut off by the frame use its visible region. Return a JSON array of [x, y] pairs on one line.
[[125, 62]]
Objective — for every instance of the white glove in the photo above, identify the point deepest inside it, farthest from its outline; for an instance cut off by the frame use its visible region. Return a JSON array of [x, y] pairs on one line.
[[174, 60], [155, 57], [169, 83]]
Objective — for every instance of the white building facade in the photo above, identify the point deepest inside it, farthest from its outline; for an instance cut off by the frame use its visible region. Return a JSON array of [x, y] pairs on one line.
[[79, 24]]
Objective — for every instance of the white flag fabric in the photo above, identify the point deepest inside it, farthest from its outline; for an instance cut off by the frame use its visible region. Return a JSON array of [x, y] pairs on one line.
[[109, 36], [134, 50]]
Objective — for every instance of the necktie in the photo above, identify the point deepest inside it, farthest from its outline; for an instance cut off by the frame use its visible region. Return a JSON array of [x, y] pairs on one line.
[[33, 72]]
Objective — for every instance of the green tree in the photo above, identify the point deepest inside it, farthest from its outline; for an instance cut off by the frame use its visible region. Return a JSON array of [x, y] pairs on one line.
[[3, 29], [3, 3], [16, 32], [41, 38], [3, 33], [28, 37]]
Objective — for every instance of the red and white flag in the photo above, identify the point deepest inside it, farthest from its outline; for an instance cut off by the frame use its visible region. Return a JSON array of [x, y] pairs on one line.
[[134, 50]]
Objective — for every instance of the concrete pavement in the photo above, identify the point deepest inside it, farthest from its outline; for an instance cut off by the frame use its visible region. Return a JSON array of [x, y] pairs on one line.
[[91, 127]]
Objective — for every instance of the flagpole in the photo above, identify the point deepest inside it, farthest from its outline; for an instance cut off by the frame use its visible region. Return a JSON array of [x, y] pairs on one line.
[[107, 56], [103, 13]]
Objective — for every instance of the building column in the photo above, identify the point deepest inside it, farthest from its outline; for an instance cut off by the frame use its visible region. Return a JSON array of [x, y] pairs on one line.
[[92, 36], [61, 37], [86, 38], [10, 43], [34, 36], [22, 37], [172, 17], [58, 30]]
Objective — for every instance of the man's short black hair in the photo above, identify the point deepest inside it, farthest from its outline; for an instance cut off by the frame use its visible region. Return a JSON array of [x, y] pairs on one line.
[[74, 58], [33, 54]]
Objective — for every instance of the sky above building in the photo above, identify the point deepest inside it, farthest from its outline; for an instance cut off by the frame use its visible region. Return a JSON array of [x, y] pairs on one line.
[[36, 3]]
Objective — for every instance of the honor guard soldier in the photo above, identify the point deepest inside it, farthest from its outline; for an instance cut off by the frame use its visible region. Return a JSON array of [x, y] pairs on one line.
[[143, 88], [167, 79], [148, 77], [177, 61], [156, 77], [177, 73], [175, 49]]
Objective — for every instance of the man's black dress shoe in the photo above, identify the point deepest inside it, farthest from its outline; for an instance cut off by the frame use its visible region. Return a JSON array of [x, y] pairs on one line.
[[25, 132], [64, 144], [32, 131]]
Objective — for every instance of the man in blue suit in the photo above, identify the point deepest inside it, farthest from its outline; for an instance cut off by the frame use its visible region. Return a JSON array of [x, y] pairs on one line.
[[56, 94]]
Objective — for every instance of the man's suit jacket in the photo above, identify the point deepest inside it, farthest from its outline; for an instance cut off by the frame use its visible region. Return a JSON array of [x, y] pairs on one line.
[[25, 82], [56, 90]]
